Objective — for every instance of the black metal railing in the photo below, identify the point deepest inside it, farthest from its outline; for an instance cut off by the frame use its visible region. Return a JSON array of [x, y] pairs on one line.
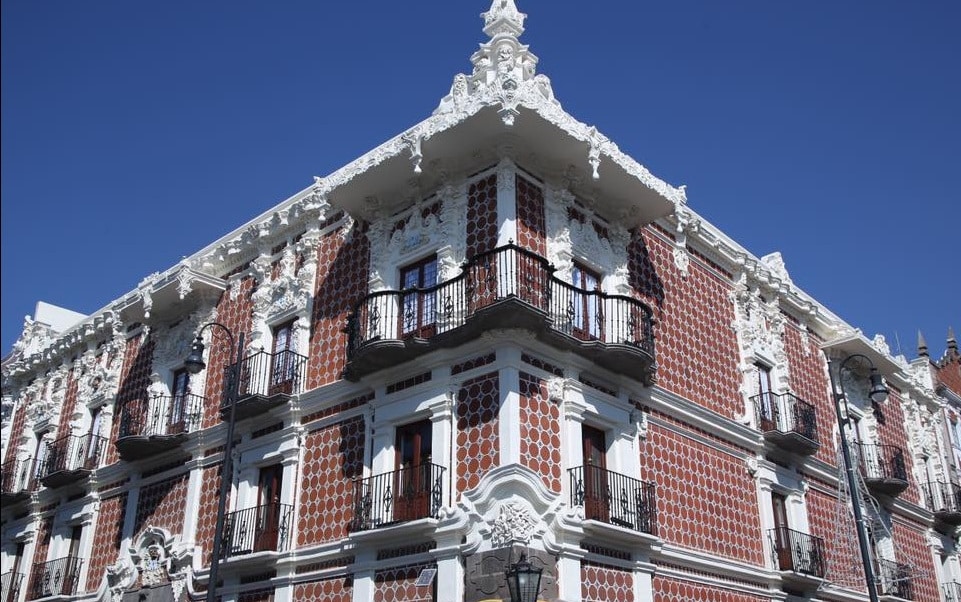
[[786, 413], [882, 462], [10, 584], [614, 498], [502, 273], [265, 374], [15, 476], [264, 528], [942, 497], [894, 579], [73, 452], [59, 577], [797, 551], [952, 591], [161, 415], [398, 496]]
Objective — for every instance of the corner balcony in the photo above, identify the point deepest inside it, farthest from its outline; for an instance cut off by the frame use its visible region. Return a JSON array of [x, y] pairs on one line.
[[15, 485], [10, 584], [883, 468], [264, 528], [157, 424], [944, 500], [59, 577], [788, 422], [508, 287], [799, 556], [267, 380], [71, 459], [614, 498], [400, 496], [894, 579], [952, 591]]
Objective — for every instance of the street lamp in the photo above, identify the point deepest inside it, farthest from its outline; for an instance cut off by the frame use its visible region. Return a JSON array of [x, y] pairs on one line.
[[524, 581], [194, 364], [877, 394]]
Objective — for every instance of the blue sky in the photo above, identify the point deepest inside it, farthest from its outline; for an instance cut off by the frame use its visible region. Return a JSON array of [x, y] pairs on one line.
[[134, 133]]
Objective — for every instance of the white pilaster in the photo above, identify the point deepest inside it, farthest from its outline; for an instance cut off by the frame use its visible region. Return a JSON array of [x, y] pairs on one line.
[[510, 410], [569, 579], [506, 202]]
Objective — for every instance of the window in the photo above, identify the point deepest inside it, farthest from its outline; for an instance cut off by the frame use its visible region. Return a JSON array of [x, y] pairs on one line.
[[596, 502], [413, 475], [766, 402], [587, 317], [283, 370], [73, 563], [269, 487], [179, 398], [419, 307]]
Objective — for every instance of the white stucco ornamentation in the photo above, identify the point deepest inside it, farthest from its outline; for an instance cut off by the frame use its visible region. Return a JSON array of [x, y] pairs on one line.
[[514, 524]]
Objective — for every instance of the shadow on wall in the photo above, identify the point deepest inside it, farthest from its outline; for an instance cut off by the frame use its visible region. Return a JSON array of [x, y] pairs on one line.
[[642, 273]]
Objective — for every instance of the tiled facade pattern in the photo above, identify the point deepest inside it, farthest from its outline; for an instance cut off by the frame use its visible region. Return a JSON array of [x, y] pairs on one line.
[[540, 431], [398, 584], [333, 457], [531, 227], [705, 510], [809, 381], [541, 364], [260, 595], [677, 590], [697, 351], [470, 364], [338, 408], [207, 511], [234, 312], [44, 534], [911, 548], [341, 284], [337, 589], [478, 404], [601, 583], [162, 505], [107, 538], [70, 401], [892, 432], [482, 215], [832, 523], [16, 431]]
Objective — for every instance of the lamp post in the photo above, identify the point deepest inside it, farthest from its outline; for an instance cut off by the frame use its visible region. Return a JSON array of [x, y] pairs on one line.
[[194, 364], [523, 581], [878, 394]]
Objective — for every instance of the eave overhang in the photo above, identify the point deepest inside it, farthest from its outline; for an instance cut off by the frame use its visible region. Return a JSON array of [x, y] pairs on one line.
[[857, 344], [161, 295]]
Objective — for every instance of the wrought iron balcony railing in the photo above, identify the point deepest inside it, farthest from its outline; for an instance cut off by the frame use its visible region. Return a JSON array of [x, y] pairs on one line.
[[614, 498], [15, 482], [266, 380], [952, 591], [398, 496], [162, 415], [944, 500], [264, 528], [894, 579], [10, 584], [883, 468], [59, 577], [788, 421], [71, 458], [586, 321], [798, 552]]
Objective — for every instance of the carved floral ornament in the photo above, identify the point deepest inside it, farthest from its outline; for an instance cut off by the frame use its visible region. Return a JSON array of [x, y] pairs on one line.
[[514, 524], [158, 558]]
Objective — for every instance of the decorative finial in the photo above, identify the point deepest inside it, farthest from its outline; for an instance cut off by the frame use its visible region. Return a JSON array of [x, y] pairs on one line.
[[952, 340], [922, 345], [503, 18]]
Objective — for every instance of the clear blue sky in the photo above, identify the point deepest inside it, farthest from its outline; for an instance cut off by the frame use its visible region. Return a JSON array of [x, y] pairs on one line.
[[134, 133]]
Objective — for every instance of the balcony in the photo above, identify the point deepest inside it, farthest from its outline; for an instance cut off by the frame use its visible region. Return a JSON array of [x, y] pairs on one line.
[[508, 287], [787, 422], [800, 558], [59, 577], [944, 500], [264, 528], [400, 496], [267, 380], [71, 459], [615, 499], [894, 579], [158, 424], [883, 468], [10, 584], [15, 484], [952, 591]]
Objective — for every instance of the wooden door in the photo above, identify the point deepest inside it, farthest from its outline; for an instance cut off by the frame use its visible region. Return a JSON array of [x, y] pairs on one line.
[[588, 321], [282, 361], [177, 420], [767, 408], [596, 491], [412, 480], [782, 535], [71, 570], [268, 510]]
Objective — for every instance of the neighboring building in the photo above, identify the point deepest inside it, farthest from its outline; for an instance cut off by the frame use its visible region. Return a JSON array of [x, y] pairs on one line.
[[494, 334]]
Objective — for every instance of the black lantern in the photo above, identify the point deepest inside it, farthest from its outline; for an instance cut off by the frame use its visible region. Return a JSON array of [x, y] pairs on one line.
[[195, 361], [524, 581], [878, 391]]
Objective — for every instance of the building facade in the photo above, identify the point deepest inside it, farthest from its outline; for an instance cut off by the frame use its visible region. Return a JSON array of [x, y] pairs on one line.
[[494, 335]]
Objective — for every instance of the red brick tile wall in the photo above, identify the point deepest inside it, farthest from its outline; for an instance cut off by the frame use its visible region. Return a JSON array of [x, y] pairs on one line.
[[837, 530], [478, 402], [333, 457], [706, 499], [892, 433], [948, 371], [397, 584], [809, 381], [676, 590], [162, 505], [482, 216], [911, 547], [338, 589], [260, 595], [531, 227], [540, 431], [106, 539], [207, 511], [16, 430], [601, 583], [696, 347], [42, 546], [342, 268], [69, 404], [233, 311]]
